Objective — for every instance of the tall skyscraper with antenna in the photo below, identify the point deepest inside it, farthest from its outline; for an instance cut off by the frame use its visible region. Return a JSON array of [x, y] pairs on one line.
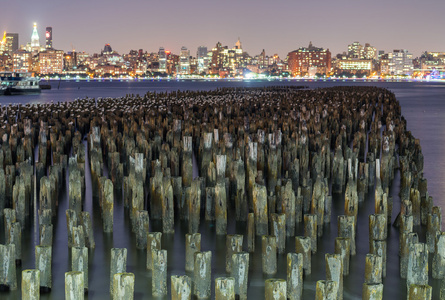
[[35, 40]]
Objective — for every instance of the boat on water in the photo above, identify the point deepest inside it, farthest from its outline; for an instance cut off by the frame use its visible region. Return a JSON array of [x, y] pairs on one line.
[[17, 83]]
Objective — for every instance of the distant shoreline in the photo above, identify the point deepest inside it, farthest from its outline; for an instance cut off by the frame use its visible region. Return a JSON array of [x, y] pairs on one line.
[[242, 79]]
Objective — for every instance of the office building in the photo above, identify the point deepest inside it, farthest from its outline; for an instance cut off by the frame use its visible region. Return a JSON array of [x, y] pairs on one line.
[[49, 38], [162, 60], [355, 50], [369, 52], [202, 59], [184, 62], [305, 58], [51, 62], [400, 63], [21, 61]]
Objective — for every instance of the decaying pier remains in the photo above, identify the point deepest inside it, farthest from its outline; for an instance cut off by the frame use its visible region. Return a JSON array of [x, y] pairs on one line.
[[273, 159]]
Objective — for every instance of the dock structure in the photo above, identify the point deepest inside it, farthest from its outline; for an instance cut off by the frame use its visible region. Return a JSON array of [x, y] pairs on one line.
[[265, 170]]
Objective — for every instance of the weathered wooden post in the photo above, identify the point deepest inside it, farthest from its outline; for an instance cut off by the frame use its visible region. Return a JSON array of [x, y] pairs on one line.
[[71, 222], [78, 236], [225, 288], [8, 275], [31, 284], [153, 243], [44, 265], [343, 248], [88, 229], [372, 291], [118, 264], [79, 262], [181, 287], [221, 208], [434, 223], [123, 286], [439, 257], [417, 265], [310, 230], [294, 276], [278, 230], [346, 228], [108, 206], [334, 272], [240, 271], [202, 274], [276, 289], [142, 228], [46, 235], [15, 237], [74, 288], [260, 209], [326, 290], [234, 244], [194, 206], [379, 248], [192, 245], [408, 238], [420, 292], [269, 254], [251, 232], [159, 278], [303, 246], [373, 269]]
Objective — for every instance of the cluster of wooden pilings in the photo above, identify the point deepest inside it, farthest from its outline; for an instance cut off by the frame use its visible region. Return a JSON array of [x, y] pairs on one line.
[[271, 158]]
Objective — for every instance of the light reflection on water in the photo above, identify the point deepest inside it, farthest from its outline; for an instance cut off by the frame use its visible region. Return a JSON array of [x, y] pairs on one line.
[[423, 105]]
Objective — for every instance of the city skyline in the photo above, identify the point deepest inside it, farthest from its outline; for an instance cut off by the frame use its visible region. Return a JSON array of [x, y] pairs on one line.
[[277, 27]]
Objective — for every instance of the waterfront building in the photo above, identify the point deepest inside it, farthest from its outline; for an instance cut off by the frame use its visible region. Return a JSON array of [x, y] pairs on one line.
[[384, 62], [300, 60], [51, 62], [353, 66], [184, 62], [432, 63], [162, 56], [369, 52], [202, 57], [70, 60], [355, 50], [21, 61], [35, 40], [218, 58], [49, 38], [400, 62], [262, 61]]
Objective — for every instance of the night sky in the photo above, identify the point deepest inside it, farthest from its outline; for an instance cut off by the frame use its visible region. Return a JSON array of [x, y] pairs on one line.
[[277, 26]]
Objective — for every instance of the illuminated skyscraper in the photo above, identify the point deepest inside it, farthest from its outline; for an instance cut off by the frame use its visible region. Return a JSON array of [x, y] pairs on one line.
[[35, 40], [162, 60], [49, 38], [203, 59], [355, 50], [3, 43], [369, 52], [184, 61]]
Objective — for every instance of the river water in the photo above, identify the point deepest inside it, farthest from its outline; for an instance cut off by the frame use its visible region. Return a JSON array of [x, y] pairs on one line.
[[423, 106]]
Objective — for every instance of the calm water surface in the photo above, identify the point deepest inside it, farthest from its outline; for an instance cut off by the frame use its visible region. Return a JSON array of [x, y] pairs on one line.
[[423, 105]]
